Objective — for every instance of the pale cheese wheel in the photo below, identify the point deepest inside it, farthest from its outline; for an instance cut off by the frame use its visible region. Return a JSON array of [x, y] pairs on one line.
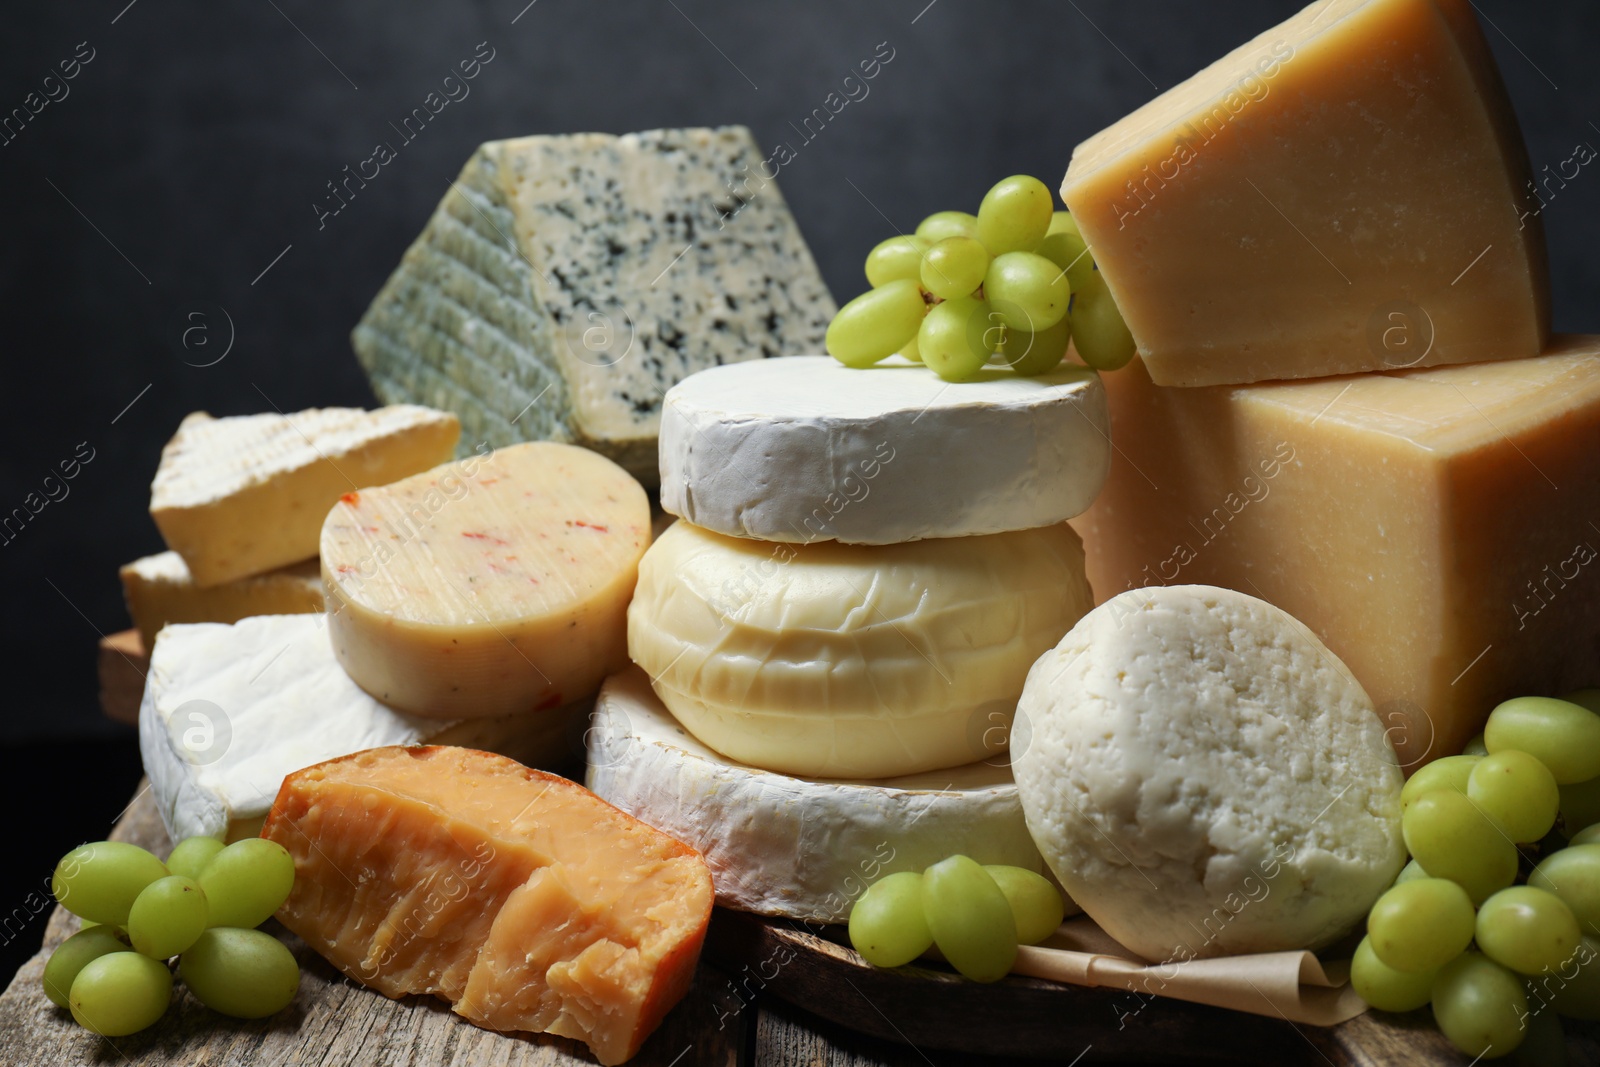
[[1206, 778], [491, 585], [806, 449], [799, 848], [855, 661]]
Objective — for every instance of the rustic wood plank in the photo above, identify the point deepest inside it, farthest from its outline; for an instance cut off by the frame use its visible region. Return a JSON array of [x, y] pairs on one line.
[[123, 665], [333, 1021]]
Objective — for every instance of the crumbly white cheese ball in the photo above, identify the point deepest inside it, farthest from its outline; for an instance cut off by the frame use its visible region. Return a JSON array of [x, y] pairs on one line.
[[1206, 778]]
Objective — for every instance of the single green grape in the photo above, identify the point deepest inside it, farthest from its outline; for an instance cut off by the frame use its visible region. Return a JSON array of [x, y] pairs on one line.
[[1098, 332], [1446, 833], [1517, 792], [1036, 904], [1032, 354], [1479, 1005], [1475, 747], [970, 919], [246, 882], [1064, 246], [1527, 929], [954, 267], [1574, 990], [120, 993], [248, 974], [957, 337], [1585, 698], [886, 924], [1451, 772], [1063, 222], [191, 855], [1386, 988], [911, 351], [1015, 215], [1420, 925], [1580, 805], [1573, 874], [1027, 290], [876, 324], [167, 917], [74, 954], [895, 259], [1410, 872], [1589, 835], [100, 880], [942, 224], [1565, 737]]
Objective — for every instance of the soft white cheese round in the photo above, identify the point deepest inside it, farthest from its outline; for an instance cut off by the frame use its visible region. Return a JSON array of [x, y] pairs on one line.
[[851, 661], [802, 848], [1206, 778], [806, 449]]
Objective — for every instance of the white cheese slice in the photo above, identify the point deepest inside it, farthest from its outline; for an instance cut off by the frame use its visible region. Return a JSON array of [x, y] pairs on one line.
[[159, 589], [229, 710], [240, 495], [566, 282], [800, 848], [807, 449], [855, 661], [1206, 778]]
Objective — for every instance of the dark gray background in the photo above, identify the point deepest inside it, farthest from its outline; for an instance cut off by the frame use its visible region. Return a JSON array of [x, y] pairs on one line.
[[193, 147]]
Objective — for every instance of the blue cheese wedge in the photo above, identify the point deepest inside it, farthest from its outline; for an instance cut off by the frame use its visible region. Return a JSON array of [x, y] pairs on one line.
[[565, 283], [229, 710]]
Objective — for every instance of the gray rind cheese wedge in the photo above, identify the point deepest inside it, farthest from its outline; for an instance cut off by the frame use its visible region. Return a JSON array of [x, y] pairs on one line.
[[798, 848], [1206, 778], [807, 449], [159, 590], [566, 282], [229, 710], [246, 494]]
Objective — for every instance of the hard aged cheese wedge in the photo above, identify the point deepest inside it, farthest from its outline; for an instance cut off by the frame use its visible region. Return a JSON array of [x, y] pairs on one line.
[[851, 661], [245, 494], [518, 896], [229, 710], [800, 848], [491, 585], [1438, 529], [159, 589], [1205, 778], [566, 282], [1349, 191], [807, 449]]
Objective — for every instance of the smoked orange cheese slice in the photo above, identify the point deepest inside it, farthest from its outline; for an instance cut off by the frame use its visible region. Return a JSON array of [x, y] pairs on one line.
[[522, 898], [488, 586]]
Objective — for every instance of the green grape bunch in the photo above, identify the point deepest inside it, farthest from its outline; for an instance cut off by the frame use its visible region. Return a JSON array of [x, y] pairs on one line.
[[1013, 284]]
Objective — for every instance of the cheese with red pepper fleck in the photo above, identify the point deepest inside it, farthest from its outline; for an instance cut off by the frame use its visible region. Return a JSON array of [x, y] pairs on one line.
[[487, 586]]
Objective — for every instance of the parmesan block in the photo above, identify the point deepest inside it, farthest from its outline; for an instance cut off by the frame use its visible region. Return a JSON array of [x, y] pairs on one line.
[[518, 896], [488, 586], [797, 848], [566, 282], [807, 449], [1438, 529], [159, 589], [247, 494], [229, 710], [851, 661], [1349, 191], [1206, 778]]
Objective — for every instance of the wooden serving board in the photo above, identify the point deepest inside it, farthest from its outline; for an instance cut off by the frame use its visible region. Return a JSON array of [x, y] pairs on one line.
[[767, 993]]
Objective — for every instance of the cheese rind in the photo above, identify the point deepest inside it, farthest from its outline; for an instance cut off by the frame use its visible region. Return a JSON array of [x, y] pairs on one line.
[[1205, 778], [807, 449], [1438, 529], [1349, 191], [798, 848], [159, 589], [855, 661], [229, 710], [521, 897], [487, 586], [246, 494], [566, 282]]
